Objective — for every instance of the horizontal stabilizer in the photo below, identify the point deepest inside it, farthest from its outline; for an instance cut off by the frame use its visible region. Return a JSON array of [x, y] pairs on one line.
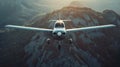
[[58, 20]]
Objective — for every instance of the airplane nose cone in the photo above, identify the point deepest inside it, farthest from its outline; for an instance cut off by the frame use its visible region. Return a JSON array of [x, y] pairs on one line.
[[59, 33]]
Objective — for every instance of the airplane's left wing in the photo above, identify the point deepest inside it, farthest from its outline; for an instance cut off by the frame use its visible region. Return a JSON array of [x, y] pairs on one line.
[[92, 27], [28, 28]]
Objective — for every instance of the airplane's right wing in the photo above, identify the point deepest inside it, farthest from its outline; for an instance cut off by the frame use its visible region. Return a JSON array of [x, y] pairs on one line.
[[28, 28], [92, 27]]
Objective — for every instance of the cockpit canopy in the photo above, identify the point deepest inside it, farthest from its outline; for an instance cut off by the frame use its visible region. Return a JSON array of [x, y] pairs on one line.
[[59, 25]]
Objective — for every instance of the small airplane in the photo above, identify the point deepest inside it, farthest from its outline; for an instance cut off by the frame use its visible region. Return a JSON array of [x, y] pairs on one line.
[[59, 31]]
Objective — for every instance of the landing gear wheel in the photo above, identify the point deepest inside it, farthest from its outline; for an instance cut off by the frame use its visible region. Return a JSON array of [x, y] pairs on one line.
[[70, 41], [48, 40]]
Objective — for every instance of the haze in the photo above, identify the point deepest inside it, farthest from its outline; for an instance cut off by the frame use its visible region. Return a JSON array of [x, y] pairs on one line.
[[98, 5]]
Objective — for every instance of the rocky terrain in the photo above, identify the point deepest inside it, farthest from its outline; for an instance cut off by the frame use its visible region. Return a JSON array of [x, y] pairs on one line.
[[92, 48]]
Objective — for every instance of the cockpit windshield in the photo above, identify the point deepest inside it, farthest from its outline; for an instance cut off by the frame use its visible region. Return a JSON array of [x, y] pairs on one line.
[[59, 25]]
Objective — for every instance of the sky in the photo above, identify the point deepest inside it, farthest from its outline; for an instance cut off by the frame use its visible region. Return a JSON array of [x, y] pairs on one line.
[[101, 5], [98, 5], [14, 7]]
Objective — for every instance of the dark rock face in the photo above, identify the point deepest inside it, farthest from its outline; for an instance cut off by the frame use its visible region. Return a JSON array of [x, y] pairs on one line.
[[111, 16], [92, 48]]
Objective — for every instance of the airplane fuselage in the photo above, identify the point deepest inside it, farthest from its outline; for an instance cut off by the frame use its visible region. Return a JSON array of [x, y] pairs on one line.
[[59, 31]]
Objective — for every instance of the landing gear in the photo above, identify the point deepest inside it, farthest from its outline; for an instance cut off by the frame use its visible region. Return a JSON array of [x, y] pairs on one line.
[[48, 40], [70, 41]]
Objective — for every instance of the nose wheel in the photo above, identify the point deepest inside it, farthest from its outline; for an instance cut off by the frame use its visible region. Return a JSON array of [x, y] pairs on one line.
[[59, 42], [59, 47]]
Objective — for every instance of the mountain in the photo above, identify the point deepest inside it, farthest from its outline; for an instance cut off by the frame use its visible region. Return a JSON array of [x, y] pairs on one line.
[[20, 11], [76, 4], [92, 48], [99, 5]]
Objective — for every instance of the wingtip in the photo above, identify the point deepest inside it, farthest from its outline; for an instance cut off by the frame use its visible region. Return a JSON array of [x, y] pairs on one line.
[[6, 25], [112, 25]]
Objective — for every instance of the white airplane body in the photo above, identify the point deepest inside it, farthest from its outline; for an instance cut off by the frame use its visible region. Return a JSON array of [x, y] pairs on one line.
[[59, 31]]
